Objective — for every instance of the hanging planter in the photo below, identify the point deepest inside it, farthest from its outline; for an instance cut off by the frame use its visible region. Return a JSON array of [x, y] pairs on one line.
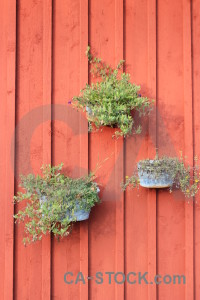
[[53, 202], [79, 214], [111, 100], [166, 172], [154, 175], [91, 115], [74, 212]]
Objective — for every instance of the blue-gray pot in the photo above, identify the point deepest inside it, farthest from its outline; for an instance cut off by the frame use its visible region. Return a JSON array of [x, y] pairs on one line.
[[149, 179], [78, 214]]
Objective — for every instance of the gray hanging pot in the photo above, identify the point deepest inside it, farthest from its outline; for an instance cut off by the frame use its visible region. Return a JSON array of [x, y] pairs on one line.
[[77, 214], [150, 179]]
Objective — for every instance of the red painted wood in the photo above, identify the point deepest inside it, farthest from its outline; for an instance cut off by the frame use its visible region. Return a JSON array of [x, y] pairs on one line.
[[7, 123], [196, 112], [171, 139], [103, 242], [32, 264], [70, 138], [141, 230], [83, 143], [106, 245], [119, 154], [136, 201], [152, 144], [47, 79], [188, 132]]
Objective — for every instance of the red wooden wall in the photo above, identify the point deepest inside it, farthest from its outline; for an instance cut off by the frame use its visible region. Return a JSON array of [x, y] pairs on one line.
[[43, 65]]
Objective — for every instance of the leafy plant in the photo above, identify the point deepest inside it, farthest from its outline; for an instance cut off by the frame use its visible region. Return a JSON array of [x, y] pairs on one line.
[[51, 200], [184, 177], [110, 100]]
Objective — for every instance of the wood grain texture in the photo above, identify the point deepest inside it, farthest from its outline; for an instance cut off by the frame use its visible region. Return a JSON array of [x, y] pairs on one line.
[[188, 137], [171, 139], [7, 125], [106, 246], [70, 136], [42, 61], [33, 124], [152, 145], [47, 88], [83, 142], [196, 120], [137, 210], [119, 165]]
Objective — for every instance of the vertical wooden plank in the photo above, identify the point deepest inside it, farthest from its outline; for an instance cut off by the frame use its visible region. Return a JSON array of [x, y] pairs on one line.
[[70, 136], [152, 143], [7, 125], [188, 138], [171, 139], [139, 48], [47, 76], [104, 246], [10, 71], [119, 166], [106, 224], [33, 120], [196, 112], [83, 142], [119, 252]]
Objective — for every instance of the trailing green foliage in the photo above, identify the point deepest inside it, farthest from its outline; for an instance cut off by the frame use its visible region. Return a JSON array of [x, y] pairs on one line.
[[184, 177], [110, 100], [50, 201]]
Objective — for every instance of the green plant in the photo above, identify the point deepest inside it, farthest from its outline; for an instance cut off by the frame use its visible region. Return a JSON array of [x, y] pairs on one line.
[[50, 201], [110, 100], [184, 177]]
